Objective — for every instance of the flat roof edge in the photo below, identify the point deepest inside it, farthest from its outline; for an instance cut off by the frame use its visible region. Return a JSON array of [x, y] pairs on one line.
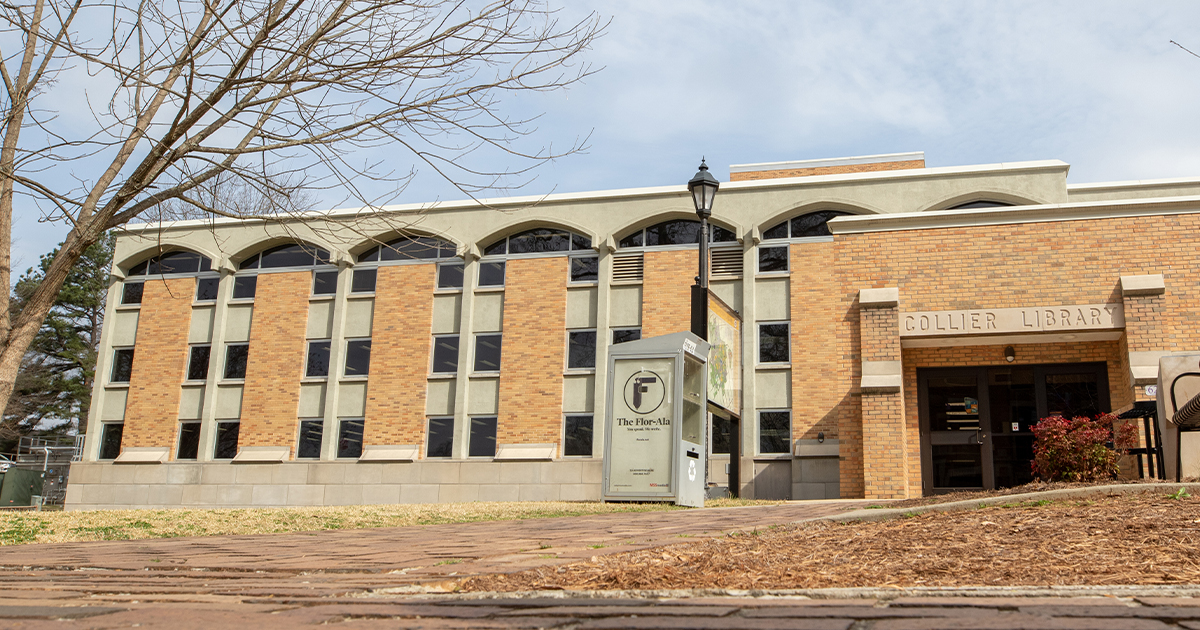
[[1134, 183], [818, 163]]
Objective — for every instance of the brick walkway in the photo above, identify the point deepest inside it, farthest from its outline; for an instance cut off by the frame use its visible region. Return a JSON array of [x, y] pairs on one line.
[[371, 577]]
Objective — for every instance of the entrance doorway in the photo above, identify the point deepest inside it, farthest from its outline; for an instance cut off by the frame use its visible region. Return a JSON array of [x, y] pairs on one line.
[[976, 422]]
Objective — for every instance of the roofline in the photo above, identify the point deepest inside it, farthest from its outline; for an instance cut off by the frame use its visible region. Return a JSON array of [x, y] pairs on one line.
[[842, 161], [620, 193], [1134, 183], [1044, 213]]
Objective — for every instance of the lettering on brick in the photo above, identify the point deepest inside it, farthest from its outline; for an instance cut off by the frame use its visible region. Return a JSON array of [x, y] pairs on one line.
[[1010, 320]]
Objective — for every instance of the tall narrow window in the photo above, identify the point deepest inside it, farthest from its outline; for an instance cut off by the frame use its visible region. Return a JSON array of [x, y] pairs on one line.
[[450, 276], [324, 282], [491, 274], [244, 287], [206, 289], [773, 343], [577, 436], [350, 438], [189, 440], [131, 293], [483, 437], [198, 363], [585, 269], [358, 357], [227, 440], [487, 353], [774, 432], [317, 364], [440, 438], [721, 440], [110, 440], [772, 259], [311, 435], [364, 280], [445, 354], [122, 368], [236, 355], [581, 349]]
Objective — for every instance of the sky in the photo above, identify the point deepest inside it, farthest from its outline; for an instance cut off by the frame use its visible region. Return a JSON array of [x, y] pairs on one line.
[[1098, 85]]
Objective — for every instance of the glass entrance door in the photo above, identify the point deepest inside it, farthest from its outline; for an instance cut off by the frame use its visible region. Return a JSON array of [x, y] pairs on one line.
[[976, 422]]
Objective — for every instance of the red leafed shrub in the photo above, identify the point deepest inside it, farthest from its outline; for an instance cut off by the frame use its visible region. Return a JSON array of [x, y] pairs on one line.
[[1075, 449]]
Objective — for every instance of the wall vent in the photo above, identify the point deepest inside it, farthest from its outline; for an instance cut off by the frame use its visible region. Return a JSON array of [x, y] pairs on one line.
[[725, 263], [627, 267]]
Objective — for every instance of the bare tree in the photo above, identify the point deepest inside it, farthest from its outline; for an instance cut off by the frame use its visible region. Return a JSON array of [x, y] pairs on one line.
[[185, 96]]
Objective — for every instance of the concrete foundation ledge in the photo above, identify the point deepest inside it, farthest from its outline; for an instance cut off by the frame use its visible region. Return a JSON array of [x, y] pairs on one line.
[[945, 595]]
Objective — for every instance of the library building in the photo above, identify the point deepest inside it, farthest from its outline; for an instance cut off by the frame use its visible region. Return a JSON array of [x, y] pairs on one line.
[[902, 327]]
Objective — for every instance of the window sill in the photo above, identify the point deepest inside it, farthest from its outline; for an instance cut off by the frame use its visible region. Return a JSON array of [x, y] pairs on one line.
[[129, 307], [625, 283], [232, 381], [212, 302], [314, 379], [442, 376], [490, 289], [236, 301], [360, 295], [773, 366], [124, 385], [323, 297], [447, 290], [356, 378], [589, 283], [773, 274], [578, 371], [195, 383], [495, 374], [772, 457]]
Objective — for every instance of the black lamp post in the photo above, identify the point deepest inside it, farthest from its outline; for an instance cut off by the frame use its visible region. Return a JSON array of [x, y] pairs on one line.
[[703, 187]]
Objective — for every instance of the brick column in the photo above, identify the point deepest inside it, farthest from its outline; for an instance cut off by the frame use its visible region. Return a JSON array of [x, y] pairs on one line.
[[160, 357], [275, 366], [1144, 302], [885, 435], [533, 352], [400, 345]]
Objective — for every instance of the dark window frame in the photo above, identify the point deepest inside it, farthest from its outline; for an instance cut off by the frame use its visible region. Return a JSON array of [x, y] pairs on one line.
[[359, 281], [108, 445], [462, 272], [397, 250], [223, 447], [577, 362], [574, 242], [821, 227], [225, 372], [787, 338], [303, 443], [626, 330], [131, 296], [785, 436], [316, 257], [201, 283], [320, 280], [113, 376], [188, 437], [490, 282], [445, 434], [243, 283], [487, 435], [310, 366], [191, 366], [642, 237], [153, 266], [575, 443], [499, 353], [763, 249], [433, 365], [588, 280], [350, 442], [351, 344]]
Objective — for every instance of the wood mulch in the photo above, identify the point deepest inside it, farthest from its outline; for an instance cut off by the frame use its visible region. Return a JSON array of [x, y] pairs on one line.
[[1142, 538]]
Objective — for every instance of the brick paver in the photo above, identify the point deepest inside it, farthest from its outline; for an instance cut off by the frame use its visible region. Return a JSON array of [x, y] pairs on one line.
[[388, 578]]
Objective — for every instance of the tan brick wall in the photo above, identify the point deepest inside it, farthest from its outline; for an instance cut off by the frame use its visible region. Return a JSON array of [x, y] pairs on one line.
[[532, 355], [1144, 330], [667, 279], [159, 360], [276, 362], [400, 342], [827, 170], [886, 461]]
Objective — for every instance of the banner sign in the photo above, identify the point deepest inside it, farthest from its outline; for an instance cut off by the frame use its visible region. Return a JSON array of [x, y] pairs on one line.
[[724, 356], [642, 436]]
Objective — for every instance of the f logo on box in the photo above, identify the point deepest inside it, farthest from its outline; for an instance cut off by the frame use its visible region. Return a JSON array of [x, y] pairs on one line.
[[644, 392]]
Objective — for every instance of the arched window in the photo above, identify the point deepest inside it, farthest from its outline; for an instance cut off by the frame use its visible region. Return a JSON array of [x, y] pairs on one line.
[[538, 240], [805, 225], [296, 255], [982, 203], [676, 232], [409, 247], [172, 263]]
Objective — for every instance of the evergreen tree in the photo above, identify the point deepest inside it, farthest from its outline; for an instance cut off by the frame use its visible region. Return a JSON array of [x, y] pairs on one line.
[[54, 387]]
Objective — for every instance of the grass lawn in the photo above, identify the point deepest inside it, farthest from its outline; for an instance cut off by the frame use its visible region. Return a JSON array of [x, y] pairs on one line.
[[21, 527]]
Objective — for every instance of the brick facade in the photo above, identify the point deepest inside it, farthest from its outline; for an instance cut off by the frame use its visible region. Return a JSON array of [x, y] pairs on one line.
[[160, 359], [400, 343], [667, 279], [533, 351], [827, 170], [275, 366], [886, 464]]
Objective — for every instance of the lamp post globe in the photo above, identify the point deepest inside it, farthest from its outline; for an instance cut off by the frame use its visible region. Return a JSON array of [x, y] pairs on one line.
[[703, 187]]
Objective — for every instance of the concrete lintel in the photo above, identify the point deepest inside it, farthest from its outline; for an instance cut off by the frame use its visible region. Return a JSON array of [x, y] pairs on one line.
[[262, 454], [1144, 374], [143, 455], [881, 384], [879, 298], [881, 368], [525, 451], [809, 448], [400, 453], [1152, 284]]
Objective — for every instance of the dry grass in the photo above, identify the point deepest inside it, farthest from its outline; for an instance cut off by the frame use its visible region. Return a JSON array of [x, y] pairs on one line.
[[1145, 538], [18, 528]]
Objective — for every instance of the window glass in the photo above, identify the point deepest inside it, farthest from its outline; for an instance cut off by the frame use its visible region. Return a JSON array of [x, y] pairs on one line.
[[491, 274], [309, 446], [772, 259], [445, 355], [577, 436], [621, 335], [172, 263], [487, 353], [980, 204], [578, 242], [777, 232], [416, 248], [498, 248], [585, 269], [581, 349], [358, 357], [813, 223], [189, 441], [718, 234], [633, 240], [122, 368], [539, 240], [774, 432], [131, 293], [227, 440], [318, 359], [236, 355], [198, 363], [483, 437], [721, 441], [364, 281], [450, 276], [325, 283], [680, 232], [206, 289], [773, 343], [440, 437], [350, 438], [287, 256], [244, 287], [110, 440]]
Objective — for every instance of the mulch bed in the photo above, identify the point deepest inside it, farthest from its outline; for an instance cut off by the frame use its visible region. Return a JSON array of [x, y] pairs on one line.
[[1144, 538]]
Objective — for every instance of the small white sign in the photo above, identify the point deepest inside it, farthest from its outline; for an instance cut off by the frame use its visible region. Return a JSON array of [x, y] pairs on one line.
[[689, 346], [1016, 427], [1152, 390]]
